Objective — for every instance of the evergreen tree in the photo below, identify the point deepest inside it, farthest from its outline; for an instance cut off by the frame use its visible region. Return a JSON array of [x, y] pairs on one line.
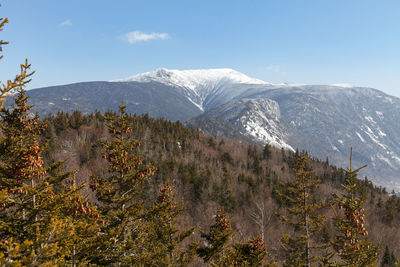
[[267, 151], [82, 221], [33, 198], [163, 242], [302, 215], [352, 244], [219, 235], [121, 239], [218, 252], [23, 215], [251, 253], [388, 259]]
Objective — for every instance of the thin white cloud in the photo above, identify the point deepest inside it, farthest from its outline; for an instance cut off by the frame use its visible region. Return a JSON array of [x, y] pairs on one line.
[[66, 23], [138, 36]]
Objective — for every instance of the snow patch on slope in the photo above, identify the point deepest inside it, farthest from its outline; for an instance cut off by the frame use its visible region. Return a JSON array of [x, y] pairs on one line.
[[359, 136], [264, 127], [260, 118]]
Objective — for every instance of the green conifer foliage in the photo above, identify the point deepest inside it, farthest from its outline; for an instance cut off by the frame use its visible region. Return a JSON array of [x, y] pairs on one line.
[[267, 151], [302, 215], [251, 253], [352, 244], [388, 259], [220, 234], [120, 195], [218, 252], [163, 241], [82, 223], [33, 198], [23, 216]]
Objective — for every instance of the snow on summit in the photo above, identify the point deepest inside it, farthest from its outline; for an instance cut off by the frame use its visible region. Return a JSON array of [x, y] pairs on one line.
[[193, 78], [197, 84], [345, 85]]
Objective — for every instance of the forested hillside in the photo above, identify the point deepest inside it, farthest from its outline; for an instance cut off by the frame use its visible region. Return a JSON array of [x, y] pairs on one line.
[[211, 173]]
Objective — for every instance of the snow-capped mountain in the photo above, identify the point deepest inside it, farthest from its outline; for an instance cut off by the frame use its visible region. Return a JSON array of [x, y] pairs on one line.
[[325, 120], [198, 85]]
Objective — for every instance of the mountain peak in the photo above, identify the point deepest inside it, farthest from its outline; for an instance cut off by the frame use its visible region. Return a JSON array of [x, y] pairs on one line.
[[193, 78], [199, 84]]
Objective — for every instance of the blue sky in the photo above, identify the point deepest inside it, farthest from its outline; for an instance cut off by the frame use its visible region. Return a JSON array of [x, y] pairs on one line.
[[299, 41]]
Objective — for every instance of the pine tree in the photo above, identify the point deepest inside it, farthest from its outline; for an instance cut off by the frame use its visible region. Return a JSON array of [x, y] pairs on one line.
[[120, 194], [251, 253], [82, 220], [352, 244], [217, 239], [267, 151], [218, 252], [302, 215], [164, 239], [21, 167], [388, 259], [33, 198]]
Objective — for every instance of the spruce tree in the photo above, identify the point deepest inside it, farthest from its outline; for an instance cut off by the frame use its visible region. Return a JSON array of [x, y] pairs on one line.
[[218, 252], [251, 253], [302, 215], [82, 220], [267, 151], [352, 244], [217, 239], [388, 259], [120, 194], [34, 198], [22, 197], [163, 243]]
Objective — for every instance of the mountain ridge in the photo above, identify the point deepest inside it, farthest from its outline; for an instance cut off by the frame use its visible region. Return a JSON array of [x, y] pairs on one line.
[[197, 84], [325, 120]]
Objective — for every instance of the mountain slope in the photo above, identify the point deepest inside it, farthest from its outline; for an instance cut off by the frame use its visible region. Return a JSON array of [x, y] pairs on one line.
[[257, 119], [325, 120], [328, 120], [156, 99]]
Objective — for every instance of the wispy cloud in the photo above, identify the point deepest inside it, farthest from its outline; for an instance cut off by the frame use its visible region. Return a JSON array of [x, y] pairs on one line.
[[66, 23], [138, 36]]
